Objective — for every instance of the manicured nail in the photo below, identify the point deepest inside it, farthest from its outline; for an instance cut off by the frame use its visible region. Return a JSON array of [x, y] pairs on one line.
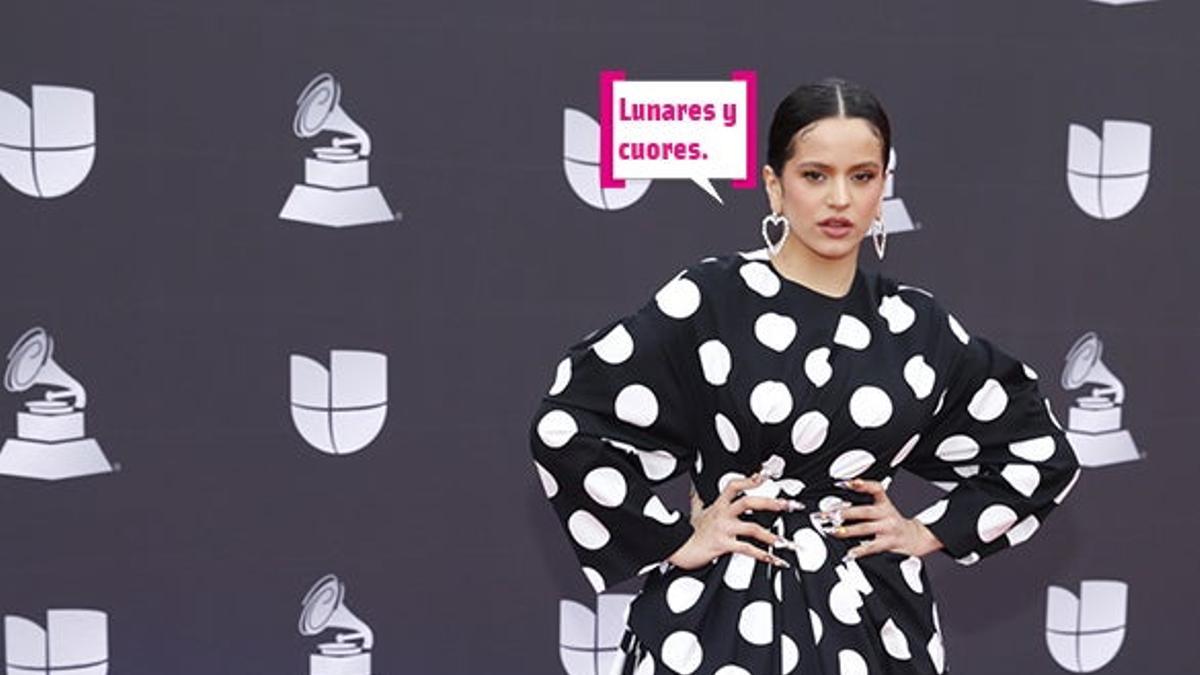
[[793, 505], [780, 562], [848, 557], [846, 483]]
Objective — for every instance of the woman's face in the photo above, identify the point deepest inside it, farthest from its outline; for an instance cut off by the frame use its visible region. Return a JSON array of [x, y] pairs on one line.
[[832, 186]]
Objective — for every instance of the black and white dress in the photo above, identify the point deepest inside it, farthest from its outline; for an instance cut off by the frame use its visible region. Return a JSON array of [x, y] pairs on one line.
[[732, 367]]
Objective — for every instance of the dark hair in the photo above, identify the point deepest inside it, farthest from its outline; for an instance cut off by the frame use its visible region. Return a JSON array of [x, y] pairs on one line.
[[831, 97]]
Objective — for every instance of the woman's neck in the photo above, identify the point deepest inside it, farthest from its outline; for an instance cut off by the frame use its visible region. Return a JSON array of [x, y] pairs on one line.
[[830, 277]]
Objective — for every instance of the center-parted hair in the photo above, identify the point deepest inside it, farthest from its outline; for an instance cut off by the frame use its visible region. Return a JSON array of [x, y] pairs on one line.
[[831, 97]]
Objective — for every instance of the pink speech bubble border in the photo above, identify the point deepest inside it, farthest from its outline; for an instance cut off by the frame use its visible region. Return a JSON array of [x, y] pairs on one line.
[[607, 77]]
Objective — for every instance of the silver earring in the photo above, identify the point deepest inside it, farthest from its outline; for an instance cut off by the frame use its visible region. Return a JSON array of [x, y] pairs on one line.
[[879, 237], [775, 219]]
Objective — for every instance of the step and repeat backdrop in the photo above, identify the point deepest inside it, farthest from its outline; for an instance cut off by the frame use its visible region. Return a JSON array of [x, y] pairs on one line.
[[284, 281]]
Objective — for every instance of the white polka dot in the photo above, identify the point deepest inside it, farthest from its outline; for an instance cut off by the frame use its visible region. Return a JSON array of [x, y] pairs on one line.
[[679, 299], [790, 653], [818, 627], [817, 367], [957, 329], [562, 377], [957, 448], [727, 433], [637, 405], [919, 376], [775, 331], [791, 486], [731, 670], [587, 531], [759, 277], [944, 485], [655, 509], [595, 579], [1023, 477], [756, 254], [755, 623], [1050, 414], [910, 569], [684, 593], [870, 407], [894, 641], [777, 585], [937, 624], [940, 403], [851, 464], [1029, 372], [656, 464], [724, 480], [897, 312], [681, 652], [994, 521], [645, 666], [968, 470], [844, 602], [549, 485], [770, 401], [852, 332], [937, 653], [811, 552], [933, 512], [556, 428], [605, 485], [968, 559], [715, 361], [739, 571], [699, 463], [809, 431], [1037, 449], [906, 450], [989, 402], [1067, 490], [1023, 530], [851, 662], [615, 347]]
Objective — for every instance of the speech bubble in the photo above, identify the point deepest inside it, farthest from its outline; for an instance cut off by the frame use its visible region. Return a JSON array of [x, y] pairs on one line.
[[695, 130]]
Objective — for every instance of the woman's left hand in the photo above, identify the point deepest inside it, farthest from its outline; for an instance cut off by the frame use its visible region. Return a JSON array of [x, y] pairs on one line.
[[889, 529]]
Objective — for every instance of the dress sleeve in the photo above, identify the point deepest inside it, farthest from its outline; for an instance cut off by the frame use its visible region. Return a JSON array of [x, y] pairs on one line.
[[994, 444], [616, 422]]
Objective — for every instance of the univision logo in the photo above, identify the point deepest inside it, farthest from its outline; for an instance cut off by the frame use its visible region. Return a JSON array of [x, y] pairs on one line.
[[74, 642], [589, 642], [1084, 633], [47, 149], [339, 410], [1108, 176]]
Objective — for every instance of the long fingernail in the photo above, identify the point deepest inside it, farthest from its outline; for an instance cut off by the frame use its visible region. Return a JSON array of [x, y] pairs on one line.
[[780, 562], [845, 483], [848, 557], [793, 505]]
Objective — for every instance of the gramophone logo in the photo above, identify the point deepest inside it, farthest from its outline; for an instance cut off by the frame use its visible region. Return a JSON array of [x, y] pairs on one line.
[[336, 190], [895, 215], [339, 410], [324, 608], [74, 642], [50, 443], [589, 642], [1084, 633], [581, 164], [47, 149], [1094, 420], [1108, 176]]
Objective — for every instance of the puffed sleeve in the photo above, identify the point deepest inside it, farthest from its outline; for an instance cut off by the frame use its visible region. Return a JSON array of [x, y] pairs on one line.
[[618, 420], [994, 443]]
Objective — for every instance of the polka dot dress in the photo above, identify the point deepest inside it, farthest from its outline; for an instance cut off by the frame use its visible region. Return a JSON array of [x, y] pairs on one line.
[[732, 367]]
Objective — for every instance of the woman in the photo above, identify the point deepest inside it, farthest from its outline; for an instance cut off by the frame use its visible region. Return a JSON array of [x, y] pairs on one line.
[[793, 365]]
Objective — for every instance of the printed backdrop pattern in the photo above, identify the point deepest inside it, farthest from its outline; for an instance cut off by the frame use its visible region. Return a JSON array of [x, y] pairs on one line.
[[285, 282]]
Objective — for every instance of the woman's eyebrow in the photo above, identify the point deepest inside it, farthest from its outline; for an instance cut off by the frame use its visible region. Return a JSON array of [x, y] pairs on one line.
[[822, 165]]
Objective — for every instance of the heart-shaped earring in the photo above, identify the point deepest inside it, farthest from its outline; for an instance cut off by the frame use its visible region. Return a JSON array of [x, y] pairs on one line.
[[769, 222]]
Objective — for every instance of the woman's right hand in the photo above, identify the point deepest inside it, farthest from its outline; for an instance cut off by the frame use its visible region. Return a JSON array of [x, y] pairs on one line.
[[717, 527]]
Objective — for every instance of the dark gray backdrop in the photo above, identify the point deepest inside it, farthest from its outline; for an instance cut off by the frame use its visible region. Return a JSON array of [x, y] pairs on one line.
[[176, 294]]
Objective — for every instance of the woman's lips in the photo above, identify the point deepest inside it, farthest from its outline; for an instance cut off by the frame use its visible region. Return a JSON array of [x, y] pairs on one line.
[[836, 228]]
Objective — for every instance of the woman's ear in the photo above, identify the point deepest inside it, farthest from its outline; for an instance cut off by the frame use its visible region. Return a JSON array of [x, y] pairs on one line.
[[773, 188]]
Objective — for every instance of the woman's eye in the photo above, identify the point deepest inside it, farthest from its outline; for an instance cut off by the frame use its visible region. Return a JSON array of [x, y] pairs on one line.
[[865, 177], [812, 175]]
